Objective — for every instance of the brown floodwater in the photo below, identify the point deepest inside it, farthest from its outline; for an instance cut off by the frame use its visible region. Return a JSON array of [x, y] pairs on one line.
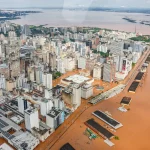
[[135, 133], [110, 20]]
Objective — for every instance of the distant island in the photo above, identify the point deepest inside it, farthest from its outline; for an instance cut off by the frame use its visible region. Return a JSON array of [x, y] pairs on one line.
[[13, 14], [145, 23], [106, 9], [130, 20]]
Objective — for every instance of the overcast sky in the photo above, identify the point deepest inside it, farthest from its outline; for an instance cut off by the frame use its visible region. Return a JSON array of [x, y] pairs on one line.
[[73, 3]]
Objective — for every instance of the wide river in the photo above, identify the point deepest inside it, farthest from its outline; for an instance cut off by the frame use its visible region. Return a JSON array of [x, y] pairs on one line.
[[65, 18]]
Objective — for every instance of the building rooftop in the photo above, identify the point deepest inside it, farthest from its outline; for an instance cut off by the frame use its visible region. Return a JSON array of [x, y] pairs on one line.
[[67, 146], [3, 66], [30, 110], [126, 100], [86, 86], [40, 131], [43, 128], [17, 119], [25, 141], [68, 90], [54, 113], [92, 124], [77, 79], [6, 124], [5, 146]]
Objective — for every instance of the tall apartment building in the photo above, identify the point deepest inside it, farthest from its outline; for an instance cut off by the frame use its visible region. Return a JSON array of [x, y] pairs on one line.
[[48, 93], [97, 40], [44, 79], [22, 104], [86, 91], [61, 65], [31, 74], [76, 99], [125, 65], [55, 118], [26, 30], [90, 63], [69, 63], [38, 73], [20, 80], [102, 48], [82, 63], [116, 47], [83, 52], [136, 56], [2, 82], [31, 118], [72, 95], [108, 72], [1, 51], [45, 106], [89, 43], [116, 60], [52, 60], [49, 81], [97, 71]]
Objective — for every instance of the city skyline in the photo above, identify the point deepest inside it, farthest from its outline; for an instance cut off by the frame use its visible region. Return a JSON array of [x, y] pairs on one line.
[[53, 80], [77, 3], [74, 74]]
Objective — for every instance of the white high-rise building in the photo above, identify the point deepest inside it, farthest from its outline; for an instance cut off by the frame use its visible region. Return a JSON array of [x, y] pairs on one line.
[[2, 82], [57, 102], [49, 81], [136, 56], [48, 93], [31, 75], [102, 48], [109, 72], [69, 63], [97, 71], [42, 40], [44, 79], [116, 60], [45, 106], [61, 105], [12, 34], [22, 104], [76, 100], [60, 66], [116, 47], [31, 118], [82, 63], [54, 118], [86, 91], [83, 52], [125, 65], [1, 50], [21, 80], [37, 73]]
